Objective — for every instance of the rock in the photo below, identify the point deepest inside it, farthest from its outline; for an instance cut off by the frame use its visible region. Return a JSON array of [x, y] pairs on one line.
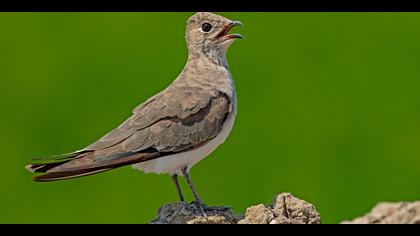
[[286, 209], [183, 213], [391, 213], [259, 214]]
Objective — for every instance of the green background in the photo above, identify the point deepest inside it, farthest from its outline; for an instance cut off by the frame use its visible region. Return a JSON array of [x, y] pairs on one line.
[[329, 109]]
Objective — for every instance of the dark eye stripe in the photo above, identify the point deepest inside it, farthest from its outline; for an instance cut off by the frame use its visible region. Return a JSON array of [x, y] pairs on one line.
[[206, 27]]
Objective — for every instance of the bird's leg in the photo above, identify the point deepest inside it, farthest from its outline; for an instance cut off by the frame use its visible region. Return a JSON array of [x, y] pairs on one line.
[[178, 188], [198, 201]]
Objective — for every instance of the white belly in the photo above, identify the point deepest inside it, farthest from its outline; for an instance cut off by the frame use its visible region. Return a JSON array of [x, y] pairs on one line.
[[173, 164]]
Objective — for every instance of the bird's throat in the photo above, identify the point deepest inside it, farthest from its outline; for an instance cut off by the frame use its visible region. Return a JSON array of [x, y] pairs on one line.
[[216, 57]]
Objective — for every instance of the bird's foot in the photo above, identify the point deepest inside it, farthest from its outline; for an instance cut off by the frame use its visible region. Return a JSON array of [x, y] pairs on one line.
[[183, 203], [201, 209]]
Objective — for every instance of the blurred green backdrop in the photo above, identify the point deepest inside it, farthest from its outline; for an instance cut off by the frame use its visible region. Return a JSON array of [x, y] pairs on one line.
[[329, 109]]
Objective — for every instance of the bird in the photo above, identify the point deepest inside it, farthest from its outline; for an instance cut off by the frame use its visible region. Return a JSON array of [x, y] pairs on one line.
[[176, 128]]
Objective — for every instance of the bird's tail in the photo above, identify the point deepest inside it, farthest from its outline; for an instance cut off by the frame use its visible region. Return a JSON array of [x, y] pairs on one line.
[[44, 164], [55, 176]]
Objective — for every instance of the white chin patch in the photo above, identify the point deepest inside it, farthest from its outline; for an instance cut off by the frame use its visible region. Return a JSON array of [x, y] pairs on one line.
[[227, 43]]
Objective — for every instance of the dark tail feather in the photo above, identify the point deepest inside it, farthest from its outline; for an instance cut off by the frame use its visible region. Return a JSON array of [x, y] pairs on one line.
[[85, 167], [67, 175], [57, 158], [43, 164], [42, 168]]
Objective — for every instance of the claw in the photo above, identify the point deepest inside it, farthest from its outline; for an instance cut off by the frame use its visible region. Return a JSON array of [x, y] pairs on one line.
[[201, 208], [202, 211]]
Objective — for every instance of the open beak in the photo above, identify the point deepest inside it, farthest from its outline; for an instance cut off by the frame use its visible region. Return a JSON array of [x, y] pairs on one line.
[[225, 31]]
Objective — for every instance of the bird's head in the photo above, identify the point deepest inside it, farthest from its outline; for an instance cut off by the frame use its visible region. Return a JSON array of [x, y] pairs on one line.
[[208, 34]]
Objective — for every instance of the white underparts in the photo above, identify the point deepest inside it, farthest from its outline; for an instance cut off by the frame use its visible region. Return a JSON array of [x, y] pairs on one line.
[[173, 164]]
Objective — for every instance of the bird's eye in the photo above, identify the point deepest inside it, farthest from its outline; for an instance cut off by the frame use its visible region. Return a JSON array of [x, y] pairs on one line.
[[206, 27]]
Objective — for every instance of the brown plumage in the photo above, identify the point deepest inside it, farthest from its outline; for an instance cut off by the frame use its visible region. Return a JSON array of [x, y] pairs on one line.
[[177, 123], [157, 128]]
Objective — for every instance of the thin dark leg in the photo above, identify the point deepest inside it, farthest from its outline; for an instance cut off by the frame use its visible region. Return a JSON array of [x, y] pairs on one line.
[[178, 188], [198, 201]]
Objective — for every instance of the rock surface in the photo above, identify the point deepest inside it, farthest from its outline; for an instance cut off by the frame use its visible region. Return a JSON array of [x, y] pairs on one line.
[[391, 213], [285, 209], [183, 213]]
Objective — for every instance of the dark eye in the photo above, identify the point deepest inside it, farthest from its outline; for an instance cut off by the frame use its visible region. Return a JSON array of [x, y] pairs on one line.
[[206, 27]]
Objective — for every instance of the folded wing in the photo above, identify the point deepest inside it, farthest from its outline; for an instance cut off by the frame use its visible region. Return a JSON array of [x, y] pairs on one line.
[[172, 121]]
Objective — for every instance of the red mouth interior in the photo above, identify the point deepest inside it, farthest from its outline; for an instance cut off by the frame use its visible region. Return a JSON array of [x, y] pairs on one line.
[[225, 31]]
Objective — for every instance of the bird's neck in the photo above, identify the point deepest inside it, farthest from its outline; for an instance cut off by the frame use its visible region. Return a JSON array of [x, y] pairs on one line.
[[215, 56], [202, 71]]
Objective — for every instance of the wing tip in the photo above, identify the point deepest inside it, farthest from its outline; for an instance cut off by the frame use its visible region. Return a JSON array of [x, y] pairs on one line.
[[30, 168]]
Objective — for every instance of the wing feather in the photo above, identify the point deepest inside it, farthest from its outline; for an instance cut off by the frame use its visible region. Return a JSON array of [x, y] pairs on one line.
[[171, 122]]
